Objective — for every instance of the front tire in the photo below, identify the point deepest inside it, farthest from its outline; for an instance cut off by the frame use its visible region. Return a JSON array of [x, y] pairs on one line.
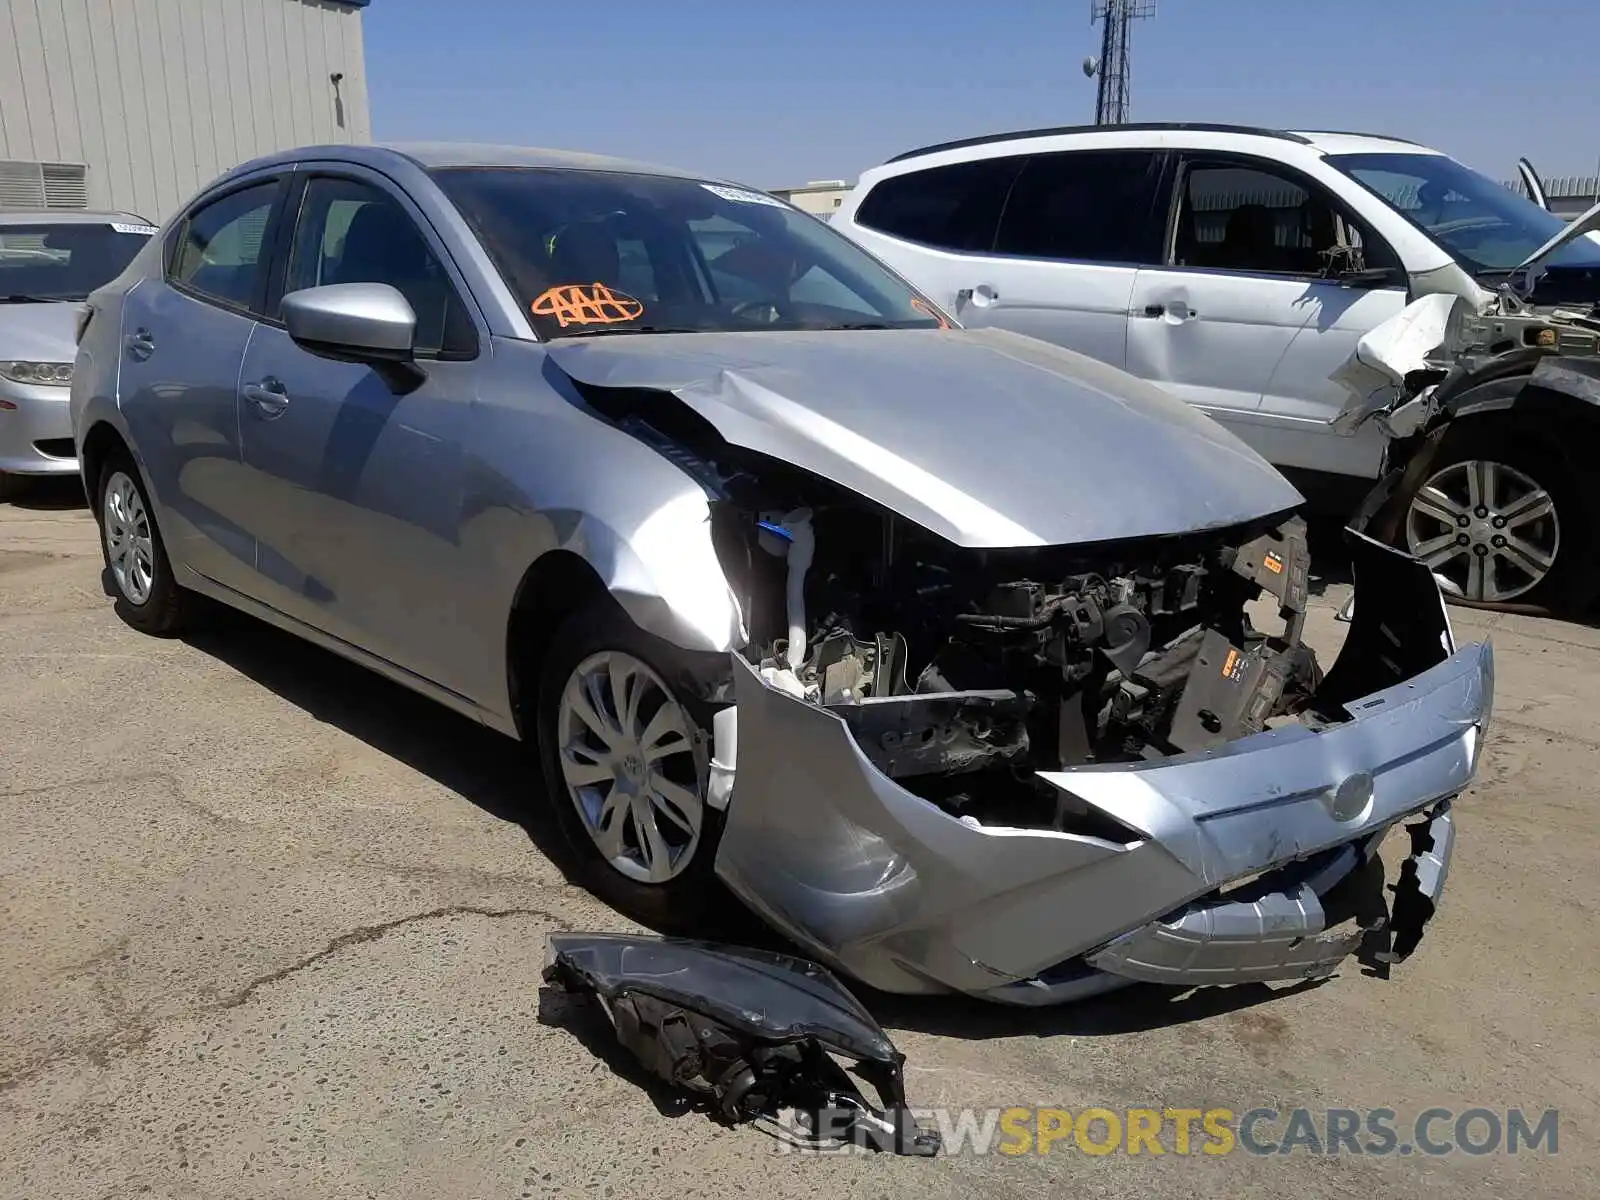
[[626, 756], [138, 570], [1501, 520]]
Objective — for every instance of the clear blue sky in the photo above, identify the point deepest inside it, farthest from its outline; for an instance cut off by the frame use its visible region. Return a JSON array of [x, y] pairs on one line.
[[775, 93]]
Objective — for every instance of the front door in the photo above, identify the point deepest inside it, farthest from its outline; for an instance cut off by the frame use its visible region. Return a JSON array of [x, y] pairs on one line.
[[1244, 319], [183, 338], [359, 487]]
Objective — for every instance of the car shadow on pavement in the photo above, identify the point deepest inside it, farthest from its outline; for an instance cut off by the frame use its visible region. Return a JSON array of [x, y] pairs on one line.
[[47, 493], [482, 766], [582, 1017], [1135, 1009], [1330, 554]]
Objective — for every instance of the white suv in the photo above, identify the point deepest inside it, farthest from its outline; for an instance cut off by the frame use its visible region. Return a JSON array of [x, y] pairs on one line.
[[1240, 268]]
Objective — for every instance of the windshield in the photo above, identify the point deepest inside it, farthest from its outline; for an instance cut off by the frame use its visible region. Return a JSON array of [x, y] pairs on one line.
[[64, 260], [1487, 227], [615, 252]]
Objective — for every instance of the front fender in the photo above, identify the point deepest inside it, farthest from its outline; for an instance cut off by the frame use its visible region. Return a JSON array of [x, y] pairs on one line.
[[665, 573], [545, 473]]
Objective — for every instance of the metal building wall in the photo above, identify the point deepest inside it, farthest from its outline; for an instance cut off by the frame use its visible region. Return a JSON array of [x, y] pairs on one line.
[[158, 97]]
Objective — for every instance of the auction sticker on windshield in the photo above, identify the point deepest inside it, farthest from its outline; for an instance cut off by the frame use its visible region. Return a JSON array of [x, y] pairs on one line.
[[145, 229], [586, 304], [741, 196]]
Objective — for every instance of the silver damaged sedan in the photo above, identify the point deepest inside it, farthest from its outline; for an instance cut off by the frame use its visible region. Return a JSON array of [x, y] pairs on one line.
[[929, 644]]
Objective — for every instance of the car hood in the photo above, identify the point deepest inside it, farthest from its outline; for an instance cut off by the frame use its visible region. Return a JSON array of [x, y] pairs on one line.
[[40, 332], [984, 437], [1586, 223]]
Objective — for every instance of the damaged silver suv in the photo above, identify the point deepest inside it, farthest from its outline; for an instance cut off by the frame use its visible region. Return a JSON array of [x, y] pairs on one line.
[[930, 644]]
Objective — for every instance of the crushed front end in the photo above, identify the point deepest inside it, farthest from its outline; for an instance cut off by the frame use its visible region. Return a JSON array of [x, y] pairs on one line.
[[1032, 775]]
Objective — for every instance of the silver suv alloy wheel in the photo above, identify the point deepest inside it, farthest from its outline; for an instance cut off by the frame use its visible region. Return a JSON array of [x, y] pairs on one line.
[[1487, 530], [629, 760], [130, 549]]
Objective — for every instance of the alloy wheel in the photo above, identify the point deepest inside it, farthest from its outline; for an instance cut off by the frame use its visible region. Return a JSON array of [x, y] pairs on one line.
[[130, 547], [1487, 531], [628, 757]]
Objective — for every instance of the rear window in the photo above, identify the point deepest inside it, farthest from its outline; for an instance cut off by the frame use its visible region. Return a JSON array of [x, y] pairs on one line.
[[953, 207]]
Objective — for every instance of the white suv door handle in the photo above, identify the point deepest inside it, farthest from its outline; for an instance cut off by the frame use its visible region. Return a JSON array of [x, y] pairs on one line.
[[1175, 309], [982, 295]]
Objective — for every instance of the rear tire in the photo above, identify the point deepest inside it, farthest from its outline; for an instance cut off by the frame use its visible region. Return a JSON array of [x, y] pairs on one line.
[[626, 753], [1502, 517], [11, 486], [139, 574]]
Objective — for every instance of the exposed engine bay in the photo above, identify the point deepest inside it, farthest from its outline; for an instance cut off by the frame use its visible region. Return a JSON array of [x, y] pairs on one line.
[[1003, 664], [963, 672]]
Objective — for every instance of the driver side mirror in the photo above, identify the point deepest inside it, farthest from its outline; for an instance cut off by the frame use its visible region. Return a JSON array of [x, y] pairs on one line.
[[1347, 265], [369, 323]]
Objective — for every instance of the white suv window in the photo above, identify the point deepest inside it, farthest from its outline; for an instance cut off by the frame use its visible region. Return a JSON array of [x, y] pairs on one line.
[[953, 207], [1237, 218], [1085, 206]]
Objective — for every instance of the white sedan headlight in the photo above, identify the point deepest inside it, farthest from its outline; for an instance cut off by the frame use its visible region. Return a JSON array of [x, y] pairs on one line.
[[48, 374]]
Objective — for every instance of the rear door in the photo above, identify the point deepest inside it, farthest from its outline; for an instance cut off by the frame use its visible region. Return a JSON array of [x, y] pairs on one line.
[[183, 338], [356, 487], [933, 225], [1075, 229], [1243, 319]]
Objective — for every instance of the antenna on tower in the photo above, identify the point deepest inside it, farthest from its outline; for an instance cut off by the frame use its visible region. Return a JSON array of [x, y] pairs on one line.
[[1113, 68]]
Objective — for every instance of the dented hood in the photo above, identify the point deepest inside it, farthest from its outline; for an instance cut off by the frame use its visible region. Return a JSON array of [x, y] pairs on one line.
[[984, 437]]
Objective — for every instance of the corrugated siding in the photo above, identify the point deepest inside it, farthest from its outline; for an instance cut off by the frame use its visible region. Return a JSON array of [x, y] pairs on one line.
[[158, 97]]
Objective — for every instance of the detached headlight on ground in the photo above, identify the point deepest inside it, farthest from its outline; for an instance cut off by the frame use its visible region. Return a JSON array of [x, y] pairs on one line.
[[47, 374]]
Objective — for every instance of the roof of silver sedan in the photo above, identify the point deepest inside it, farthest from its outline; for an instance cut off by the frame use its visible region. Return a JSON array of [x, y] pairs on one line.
[[67, 216], [431, 155]]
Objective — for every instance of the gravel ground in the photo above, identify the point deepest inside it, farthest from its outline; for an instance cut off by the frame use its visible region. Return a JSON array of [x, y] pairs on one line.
[[273, 928]]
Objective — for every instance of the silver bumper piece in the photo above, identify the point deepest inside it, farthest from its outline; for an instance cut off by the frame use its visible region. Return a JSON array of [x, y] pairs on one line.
[[889, 888]]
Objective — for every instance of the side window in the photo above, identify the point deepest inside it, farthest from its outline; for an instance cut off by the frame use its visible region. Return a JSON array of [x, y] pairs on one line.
[[220, 251], [1249, 219], [1085, 205], [954, 207], [352, 232]]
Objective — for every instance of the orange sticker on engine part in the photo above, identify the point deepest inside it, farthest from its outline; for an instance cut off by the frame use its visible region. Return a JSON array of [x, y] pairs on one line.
[[1274, 564], [921, 305], [586, 304], [1227, 663]]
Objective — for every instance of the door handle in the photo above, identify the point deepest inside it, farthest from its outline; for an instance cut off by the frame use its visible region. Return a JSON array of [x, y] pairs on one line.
[[268, 396], [982, 295], [1177, 310], [141, 344]]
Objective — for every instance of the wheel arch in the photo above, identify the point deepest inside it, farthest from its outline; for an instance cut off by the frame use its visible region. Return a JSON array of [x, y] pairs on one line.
[[1568, 423], [102, 440], [556, 585]]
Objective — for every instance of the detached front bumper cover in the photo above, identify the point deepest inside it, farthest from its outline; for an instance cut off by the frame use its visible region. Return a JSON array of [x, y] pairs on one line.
[[889, 888]]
